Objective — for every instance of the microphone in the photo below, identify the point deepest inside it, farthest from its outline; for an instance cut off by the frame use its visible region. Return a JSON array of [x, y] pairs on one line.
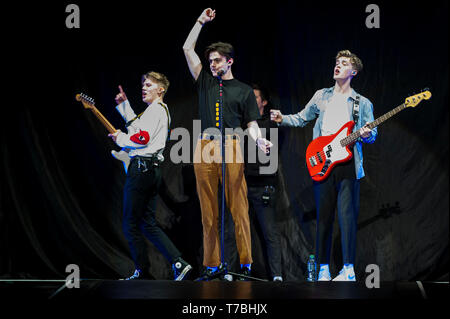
[[220, 72]]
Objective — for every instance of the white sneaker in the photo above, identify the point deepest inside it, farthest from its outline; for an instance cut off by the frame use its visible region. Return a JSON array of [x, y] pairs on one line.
[[228, 277], [347, 273], [324, 274]]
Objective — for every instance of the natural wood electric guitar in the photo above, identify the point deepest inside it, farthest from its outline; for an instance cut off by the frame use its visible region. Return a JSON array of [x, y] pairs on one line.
[[89, 103], [325, 152]]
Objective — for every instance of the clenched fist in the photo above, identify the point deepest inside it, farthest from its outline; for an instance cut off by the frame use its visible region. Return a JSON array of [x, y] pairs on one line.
[[207, 16], [276, 116]]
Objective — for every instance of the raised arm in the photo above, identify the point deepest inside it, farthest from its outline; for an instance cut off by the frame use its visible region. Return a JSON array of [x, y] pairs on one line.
[[123, 106], [192, 59]]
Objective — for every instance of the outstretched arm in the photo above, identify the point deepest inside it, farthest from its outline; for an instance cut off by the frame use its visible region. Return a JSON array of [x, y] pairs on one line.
[[300, 119], [255, 133], [192, 59]]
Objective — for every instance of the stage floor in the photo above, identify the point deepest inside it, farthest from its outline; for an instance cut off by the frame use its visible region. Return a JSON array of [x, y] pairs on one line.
[[166, 289], [219, 299]]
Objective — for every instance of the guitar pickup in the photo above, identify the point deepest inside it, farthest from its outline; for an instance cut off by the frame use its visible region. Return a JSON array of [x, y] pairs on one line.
[[328, 151], [312, 161]]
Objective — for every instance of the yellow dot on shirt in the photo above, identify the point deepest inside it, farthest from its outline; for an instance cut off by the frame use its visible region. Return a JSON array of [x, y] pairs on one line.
[[217, 113], [217, 104], [217, 124], [217, 118]]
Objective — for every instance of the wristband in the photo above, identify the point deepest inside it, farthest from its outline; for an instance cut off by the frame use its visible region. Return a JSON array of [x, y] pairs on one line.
[[198, 20]]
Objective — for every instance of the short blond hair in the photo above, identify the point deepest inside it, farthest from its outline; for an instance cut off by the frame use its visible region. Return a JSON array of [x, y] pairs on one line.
[[159, 78], [354, 60]]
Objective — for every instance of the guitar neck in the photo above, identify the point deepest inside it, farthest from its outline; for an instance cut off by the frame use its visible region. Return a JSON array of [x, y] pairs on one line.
[[102, 119], [355, 135]]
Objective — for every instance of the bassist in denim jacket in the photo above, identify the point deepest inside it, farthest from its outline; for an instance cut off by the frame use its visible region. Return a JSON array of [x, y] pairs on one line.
[[332, 108]]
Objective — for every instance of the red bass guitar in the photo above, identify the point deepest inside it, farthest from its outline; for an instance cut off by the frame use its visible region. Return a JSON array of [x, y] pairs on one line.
[[325, 152]]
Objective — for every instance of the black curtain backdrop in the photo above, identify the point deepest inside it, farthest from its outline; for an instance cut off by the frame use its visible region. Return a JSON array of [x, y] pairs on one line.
[[61, 191]]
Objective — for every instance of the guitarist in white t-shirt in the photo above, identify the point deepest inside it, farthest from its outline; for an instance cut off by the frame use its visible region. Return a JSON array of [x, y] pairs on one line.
[[339, 185], [145, 140]]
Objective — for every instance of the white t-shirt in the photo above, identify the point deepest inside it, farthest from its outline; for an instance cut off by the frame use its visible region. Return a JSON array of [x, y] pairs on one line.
[[336, 114], [146, 135]]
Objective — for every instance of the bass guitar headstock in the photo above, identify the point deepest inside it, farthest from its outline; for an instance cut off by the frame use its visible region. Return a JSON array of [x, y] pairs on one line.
[[413, 100]]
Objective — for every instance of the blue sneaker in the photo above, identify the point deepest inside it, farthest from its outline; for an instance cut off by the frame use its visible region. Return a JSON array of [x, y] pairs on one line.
[[136, 275], [180, 269], [211, 274]]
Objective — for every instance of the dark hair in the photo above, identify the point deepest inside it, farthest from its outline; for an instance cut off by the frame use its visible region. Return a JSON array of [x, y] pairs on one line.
[[222, 48], [265, 96]]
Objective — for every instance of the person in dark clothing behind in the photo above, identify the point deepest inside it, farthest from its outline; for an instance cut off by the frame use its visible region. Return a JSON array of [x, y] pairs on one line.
[[262, 189]]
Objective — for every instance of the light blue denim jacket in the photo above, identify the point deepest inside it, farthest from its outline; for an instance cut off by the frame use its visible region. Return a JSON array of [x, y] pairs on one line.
[[316, 109]]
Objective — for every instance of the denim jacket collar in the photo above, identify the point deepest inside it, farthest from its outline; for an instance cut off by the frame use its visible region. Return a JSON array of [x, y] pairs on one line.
[[329, 93]]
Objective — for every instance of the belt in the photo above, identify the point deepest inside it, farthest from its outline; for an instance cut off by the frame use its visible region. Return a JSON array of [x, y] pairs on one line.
[[144, 160], [206, 136]]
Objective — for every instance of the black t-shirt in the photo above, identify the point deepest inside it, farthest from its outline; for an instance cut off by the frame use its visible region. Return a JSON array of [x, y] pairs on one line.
[[239, 102]]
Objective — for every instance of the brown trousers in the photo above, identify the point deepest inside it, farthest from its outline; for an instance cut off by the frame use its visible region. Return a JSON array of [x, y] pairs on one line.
[[208, 172]]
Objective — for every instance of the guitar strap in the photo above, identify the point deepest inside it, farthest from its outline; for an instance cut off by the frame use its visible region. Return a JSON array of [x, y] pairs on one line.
[[168, 119], [356, 109], [132, 120]]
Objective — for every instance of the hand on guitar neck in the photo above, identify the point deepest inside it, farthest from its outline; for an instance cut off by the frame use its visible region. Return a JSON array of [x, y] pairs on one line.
[[114, 135], [365, 131]]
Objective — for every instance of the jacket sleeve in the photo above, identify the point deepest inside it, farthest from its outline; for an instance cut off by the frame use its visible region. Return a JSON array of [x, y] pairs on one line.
[[367, 116], [306, 115]]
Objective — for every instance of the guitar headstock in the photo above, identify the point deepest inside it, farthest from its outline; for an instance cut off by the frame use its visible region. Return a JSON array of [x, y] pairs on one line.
[[413, 100], [87, 101]]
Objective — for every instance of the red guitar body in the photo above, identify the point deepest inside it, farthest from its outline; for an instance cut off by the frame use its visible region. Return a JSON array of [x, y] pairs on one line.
[[325, 152]]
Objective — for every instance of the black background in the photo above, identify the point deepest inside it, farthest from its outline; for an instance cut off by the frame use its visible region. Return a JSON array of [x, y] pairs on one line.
[[61, 191]]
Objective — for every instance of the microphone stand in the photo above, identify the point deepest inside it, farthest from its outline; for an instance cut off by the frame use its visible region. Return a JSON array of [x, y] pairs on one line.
[[222, 144]]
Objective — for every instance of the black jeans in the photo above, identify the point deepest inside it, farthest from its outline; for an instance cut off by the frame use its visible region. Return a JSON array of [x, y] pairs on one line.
[[340, 190], [139, 208], [266, 219]]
